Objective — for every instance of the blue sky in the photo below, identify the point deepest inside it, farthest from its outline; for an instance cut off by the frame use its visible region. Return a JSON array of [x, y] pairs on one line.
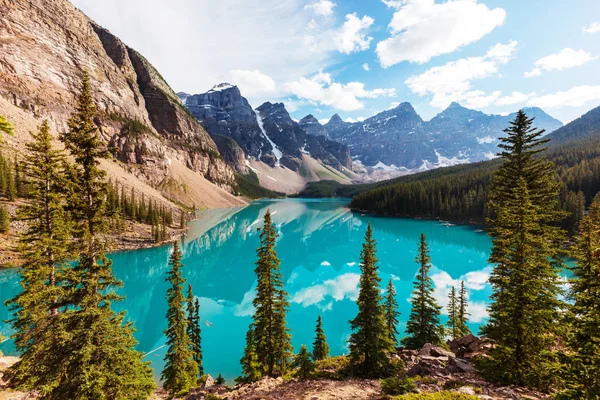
[[496, 56]]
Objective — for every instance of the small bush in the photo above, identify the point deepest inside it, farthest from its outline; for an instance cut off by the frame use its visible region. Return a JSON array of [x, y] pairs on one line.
[[451, 385], [336, 368], [220, 380], [397, 385], [436, 396], [213, 397], [426, 380]]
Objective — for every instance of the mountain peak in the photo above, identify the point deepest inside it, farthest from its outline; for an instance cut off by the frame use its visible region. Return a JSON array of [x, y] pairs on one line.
[[335, 119], [222, 86]]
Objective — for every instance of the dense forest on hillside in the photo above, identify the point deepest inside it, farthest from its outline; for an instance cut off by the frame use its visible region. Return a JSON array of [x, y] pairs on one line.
[[460, 193]]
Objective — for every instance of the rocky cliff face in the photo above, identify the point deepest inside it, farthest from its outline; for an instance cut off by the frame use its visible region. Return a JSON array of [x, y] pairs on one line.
[[47, 44], [400, 140], [267, 134], [312, 126]]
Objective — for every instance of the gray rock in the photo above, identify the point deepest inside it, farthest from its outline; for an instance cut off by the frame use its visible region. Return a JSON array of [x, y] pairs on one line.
[[210, 382], [460, 365], [435, 351]]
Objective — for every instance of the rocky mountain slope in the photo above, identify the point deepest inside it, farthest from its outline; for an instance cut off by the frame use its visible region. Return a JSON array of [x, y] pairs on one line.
[[398, 139], [272, 144], [45, 47], [585, 127]]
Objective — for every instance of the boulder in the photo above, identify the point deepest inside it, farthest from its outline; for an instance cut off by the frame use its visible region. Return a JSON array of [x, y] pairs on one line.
[[435, 351], [210, 382], [459, 365]]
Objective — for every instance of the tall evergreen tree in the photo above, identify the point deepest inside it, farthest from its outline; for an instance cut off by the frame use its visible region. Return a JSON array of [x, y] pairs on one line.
[[97, 352], [4, 220], [193, 329], [453, 311], [463, 313], [423, 324], [251, 367], [272, 338], [320, 346], [391, 312], [180, 372], [370, 342], [45, 248], [5, 127], [583, 362], [526, 255]]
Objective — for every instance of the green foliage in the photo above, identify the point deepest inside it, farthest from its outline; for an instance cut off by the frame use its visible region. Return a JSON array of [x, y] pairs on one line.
[[398, 385], [320, 346], [45, 247], [4, 220], [437, 396], [11, 185], [212, 397], [303, 363], [582, 364], [252, 370], [270, 335], [370, 341], [180, 372], [462, 316], [335, 368], [452, 323], [5, 127], [525, 310], [426, 380], [391, 312], [423, 324], [194, 330], [247, 185], [220, 380]]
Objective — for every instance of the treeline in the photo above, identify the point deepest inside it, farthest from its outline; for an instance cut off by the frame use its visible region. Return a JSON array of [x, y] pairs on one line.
[[460, 193]]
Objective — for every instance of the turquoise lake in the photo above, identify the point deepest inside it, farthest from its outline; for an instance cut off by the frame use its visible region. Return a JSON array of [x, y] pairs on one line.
[[319, 245]]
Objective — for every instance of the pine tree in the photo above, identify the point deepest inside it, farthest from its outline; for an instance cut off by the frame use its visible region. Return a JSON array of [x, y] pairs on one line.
[[369, 341], [303, 363], [320, 346], [180, 371], [251, 367], [463, 313], [182, 221], [423, 324], [4, 220], [524, 310], [583, 362], [220, 380], [45, 247], [453, 314], [194, 330], [271, 335], [5, 127], [96, 348], [391, 312]]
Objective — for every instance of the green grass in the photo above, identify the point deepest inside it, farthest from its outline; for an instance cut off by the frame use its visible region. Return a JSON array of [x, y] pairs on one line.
[[248, 185], [436, 396]]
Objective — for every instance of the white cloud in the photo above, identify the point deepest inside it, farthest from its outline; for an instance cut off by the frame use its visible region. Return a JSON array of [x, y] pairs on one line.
[[422, 29], [322, 89], [351, 37], [366, 67], [253, 83], [326, 264], [594, 27], [532, 73], [323, 121], [339, 288], [353, 120], [577, 96], [565, 59], [321, 7], [452, 81], [514, 98]]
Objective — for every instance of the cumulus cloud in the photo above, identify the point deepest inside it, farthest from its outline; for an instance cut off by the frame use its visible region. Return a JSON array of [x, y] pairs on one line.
[[322, 89], [366, 67], [514, 98], [322, 7], [594, 27], [564, 59], [423, 29], [577, 96], [351, 37], [339, 288], [452, 81], [326, 264], [353, 120], [253, 83]]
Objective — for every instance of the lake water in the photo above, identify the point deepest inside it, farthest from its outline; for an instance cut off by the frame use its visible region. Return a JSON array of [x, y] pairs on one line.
[[319, 245]]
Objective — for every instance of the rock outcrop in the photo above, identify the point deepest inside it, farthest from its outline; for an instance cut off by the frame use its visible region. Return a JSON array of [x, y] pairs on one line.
[[312, 126], [46, 46]]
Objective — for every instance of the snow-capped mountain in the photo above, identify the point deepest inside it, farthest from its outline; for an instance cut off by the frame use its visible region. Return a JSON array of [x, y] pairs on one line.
[[398, 139]]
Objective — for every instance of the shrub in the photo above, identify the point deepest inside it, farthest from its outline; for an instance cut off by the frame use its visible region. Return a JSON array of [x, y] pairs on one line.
[[212, 397], [437, 396], [426, 380], [337, 368], [220, 380], [397, 385]]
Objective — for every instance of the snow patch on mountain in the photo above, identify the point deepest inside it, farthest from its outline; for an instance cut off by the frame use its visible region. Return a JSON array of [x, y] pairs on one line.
[[220, 87], [278, 154]]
